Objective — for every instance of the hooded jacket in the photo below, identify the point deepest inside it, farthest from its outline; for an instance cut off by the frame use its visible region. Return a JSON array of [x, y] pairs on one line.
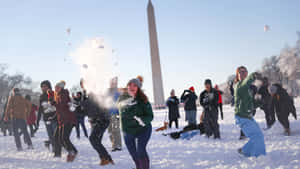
[[18, 107]]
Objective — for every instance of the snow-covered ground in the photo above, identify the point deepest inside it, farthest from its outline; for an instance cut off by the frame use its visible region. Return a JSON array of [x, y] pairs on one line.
[[199, 152]]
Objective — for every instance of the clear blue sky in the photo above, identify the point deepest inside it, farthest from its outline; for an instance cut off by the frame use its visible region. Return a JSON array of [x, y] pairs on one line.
[[198, 39]]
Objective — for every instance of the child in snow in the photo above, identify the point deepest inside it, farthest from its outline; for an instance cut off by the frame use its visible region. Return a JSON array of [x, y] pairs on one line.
[[209, 99], [136, 116], [244, 105]]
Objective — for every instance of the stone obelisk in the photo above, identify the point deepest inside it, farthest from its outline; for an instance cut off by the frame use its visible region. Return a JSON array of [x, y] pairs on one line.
[[158, 90]]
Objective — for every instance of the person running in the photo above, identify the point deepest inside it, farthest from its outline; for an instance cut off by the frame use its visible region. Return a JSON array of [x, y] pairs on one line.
[[189, 98], [31, 120], [114, 126], [99, 119], [209, 99], [220, 101], [136, 116], [18, 109], [172, 104], [80, 115], [66, 122], [283, 105], [244, 105], [48, 112]]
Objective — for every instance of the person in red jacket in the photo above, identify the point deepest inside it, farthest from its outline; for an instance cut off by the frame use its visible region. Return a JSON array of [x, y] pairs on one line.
[[31, 120], [220, 100], [66, 121]]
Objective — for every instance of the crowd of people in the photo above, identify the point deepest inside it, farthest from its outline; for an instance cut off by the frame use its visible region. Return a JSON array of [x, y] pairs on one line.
[[130, 112]]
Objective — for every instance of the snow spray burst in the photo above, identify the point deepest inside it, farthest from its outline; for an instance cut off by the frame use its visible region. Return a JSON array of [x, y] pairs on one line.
[[95, 59]]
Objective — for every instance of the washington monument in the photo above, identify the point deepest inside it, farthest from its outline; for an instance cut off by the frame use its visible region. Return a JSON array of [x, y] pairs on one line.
[[158, 89]]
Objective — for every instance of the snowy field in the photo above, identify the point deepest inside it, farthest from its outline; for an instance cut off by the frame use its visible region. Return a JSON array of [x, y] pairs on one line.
[[282, 152]]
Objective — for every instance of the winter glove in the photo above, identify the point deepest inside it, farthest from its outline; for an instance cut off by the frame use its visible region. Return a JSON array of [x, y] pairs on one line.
[[140, 121]]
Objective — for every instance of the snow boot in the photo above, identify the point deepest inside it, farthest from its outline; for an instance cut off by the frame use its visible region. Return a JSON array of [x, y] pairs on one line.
[[287, 132], [137, 163], [144, 163], [30, 147], [105, 162], [71, 157]]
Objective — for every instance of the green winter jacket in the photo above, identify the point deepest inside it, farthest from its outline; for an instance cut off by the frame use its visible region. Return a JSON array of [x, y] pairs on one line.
[[244, 102], [130, 107]]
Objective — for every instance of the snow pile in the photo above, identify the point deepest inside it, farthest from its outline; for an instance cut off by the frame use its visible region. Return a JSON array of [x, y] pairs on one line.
[[199, 152]]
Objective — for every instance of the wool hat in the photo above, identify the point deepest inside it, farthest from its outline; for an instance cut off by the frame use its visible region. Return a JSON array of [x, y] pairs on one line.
[[192, 89], [61, 84], [135, 81]]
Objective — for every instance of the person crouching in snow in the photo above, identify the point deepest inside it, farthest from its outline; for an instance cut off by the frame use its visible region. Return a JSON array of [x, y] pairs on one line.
[[283, 105], [136, 116], [66, 121], [244, 104], [99, 119], [172, 104], [189, 98], [209, 101]]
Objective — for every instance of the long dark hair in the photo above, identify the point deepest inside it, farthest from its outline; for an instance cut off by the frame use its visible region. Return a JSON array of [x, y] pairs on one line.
[[237, 73], [141, 95]]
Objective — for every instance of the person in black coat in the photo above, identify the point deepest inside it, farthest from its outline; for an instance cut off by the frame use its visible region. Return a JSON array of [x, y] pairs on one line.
[[266, 102], [282, 105], [99, 119], [209, 101], [189, 98], [80, 115], [172, 104]]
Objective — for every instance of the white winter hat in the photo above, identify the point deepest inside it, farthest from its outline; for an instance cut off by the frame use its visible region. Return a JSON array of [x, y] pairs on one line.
[[61, 84]]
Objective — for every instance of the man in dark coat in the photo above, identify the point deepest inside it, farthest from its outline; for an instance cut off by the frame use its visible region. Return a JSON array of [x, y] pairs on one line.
[[266, 102], [172, 104], [79, 115], [189, 98], [283, 105], [209, 101]]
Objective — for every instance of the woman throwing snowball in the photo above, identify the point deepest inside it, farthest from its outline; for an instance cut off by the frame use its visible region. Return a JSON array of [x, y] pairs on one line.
[[136, 116], [244, 112]]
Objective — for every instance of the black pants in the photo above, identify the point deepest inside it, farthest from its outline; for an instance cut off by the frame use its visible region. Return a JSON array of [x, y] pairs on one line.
[[96, 140], [171, 121], [20, 124], [283, 118], [269, 115], [62, 138], [80, 122], [32, 128], [221, 110], [211, 124]]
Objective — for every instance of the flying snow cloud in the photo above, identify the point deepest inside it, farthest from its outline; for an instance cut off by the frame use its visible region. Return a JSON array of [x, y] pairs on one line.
[[96, 62]]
